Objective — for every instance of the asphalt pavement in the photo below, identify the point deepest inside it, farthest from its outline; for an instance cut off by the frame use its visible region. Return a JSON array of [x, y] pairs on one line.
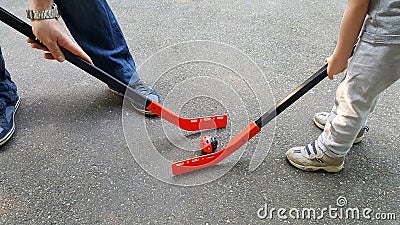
[[78, 153]]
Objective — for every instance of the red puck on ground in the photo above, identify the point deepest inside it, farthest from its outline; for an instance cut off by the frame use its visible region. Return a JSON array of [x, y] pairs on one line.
[[208, 144]]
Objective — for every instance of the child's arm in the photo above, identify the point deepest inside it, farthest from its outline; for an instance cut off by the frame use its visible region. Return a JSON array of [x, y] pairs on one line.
[[350, 27]]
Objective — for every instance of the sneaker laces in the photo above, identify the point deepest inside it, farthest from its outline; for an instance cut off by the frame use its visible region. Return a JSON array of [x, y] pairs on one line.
[[142, 88], [366, 128], [3, 119], [6, 116], [311, 151]]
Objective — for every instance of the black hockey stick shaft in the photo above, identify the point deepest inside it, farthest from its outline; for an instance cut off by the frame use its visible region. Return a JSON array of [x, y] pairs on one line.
[[119, 86], [296, 94], [191, 124], [250, 131], [293, 96]]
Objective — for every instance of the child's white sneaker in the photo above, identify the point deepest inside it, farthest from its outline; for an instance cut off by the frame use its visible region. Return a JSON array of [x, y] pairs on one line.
[[311, 158], [320, 119]]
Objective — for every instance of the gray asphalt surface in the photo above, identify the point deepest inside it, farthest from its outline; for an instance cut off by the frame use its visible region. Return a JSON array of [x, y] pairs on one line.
[[69, 162]]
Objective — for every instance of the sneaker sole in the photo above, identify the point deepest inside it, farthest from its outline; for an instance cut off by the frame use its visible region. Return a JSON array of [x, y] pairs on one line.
[[10, 134], [146, 112], [319, 125], [329, 169], [358, 140], [115, 92]]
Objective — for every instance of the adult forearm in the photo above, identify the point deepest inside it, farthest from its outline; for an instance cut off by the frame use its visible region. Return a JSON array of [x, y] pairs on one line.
[[52, 35], [351, 25], [40, 4]]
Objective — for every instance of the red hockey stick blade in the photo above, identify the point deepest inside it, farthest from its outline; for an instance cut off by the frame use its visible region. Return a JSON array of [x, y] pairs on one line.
[[208, 160], [189, 124], [255, 127]]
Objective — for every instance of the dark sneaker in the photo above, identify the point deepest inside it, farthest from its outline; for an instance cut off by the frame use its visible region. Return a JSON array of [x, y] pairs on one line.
[[7, 125], [320, 119], [145, 90], [311, 158]]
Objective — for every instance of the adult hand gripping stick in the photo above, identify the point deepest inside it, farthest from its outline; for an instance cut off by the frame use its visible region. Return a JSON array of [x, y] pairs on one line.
[[190, 124]]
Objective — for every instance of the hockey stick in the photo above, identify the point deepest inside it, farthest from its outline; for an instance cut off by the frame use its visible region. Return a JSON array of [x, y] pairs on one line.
[[190, 124], [251, 130]]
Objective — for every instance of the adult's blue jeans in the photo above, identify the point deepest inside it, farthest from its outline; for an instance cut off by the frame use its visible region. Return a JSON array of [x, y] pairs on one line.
[[95, 28], [8, 89]]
